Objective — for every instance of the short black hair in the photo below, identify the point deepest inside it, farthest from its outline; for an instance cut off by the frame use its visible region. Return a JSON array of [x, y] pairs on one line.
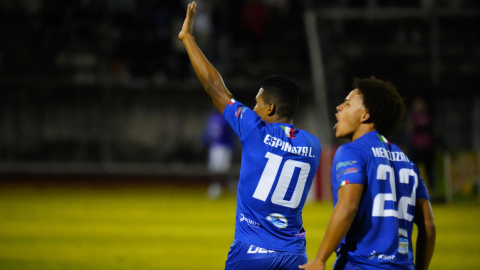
[[384, 104], [282, 91]]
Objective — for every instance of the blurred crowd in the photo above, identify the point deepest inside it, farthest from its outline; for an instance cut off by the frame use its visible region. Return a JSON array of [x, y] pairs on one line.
[[132, 39], [135, 39]]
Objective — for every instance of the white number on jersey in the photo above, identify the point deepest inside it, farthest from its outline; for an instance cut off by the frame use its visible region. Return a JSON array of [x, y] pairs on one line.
[[268, 178], [379, 201]]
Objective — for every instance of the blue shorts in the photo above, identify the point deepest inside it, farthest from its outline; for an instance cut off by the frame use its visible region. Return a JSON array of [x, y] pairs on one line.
[[245, 256]]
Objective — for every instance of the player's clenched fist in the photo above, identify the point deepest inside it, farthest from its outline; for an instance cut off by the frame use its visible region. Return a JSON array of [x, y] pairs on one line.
[[187, 27]]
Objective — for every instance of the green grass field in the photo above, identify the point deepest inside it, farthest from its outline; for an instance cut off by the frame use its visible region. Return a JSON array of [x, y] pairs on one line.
[[166, 228]]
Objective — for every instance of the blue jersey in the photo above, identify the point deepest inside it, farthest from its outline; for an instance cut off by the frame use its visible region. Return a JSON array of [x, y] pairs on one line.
[[278, 165], [380, 235]]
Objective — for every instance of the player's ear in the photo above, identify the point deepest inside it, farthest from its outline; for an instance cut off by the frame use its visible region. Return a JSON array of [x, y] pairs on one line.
[[272, 109], [365, 116]]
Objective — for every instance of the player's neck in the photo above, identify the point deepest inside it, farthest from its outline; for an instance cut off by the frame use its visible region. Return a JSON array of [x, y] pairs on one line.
[[362, 130], [284, 120]]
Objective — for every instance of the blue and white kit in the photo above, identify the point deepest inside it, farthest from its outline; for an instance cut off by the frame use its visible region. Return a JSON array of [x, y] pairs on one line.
[[278, 165], [380, 235]]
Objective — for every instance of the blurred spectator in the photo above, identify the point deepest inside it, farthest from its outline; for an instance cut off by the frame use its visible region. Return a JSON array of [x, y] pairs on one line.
[[253, 17], [422, 139], [144, 41], [219, 137]]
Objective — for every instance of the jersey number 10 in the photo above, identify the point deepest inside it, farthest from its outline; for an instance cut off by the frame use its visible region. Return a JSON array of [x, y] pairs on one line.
[[379, 201], [268, 178]]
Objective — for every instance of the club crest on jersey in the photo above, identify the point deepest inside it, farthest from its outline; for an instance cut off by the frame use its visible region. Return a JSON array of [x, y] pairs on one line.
[[278, 220]]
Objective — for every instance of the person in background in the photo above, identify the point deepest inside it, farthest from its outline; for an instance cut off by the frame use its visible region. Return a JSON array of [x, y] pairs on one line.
[[422, 139], [378, 193], [219, 138]]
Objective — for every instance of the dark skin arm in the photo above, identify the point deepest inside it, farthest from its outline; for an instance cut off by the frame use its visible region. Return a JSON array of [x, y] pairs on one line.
[[349, 197], [426, 234], [209, 77]]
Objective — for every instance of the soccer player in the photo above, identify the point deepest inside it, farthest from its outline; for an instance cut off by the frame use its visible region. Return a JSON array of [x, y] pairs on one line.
[[219, 138], [377, 191], [277, 168]]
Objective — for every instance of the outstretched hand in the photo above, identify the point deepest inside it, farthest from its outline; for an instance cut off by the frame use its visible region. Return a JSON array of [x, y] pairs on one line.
[[187, 27]]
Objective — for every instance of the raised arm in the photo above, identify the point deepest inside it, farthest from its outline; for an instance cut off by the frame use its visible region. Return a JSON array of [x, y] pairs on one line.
[[426, 234], [207, 74]]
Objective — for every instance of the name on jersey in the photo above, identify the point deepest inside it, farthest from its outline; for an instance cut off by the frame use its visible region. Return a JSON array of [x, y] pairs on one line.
[[393, 156], [287, 147]]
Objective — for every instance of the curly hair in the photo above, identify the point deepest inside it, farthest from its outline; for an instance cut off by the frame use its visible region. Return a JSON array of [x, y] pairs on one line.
[[384, 104], [283, 92]]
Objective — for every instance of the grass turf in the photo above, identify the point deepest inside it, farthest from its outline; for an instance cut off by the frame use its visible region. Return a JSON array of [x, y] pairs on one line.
[[164, 227]]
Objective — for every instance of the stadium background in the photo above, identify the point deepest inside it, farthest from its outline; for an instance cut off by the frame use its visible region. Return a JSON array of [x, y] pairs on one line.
[[101, 160]]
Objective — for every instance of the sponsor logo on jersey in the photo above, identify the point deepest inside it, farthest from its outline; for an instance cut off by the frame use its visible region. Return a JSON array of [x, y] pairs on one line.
[[249, 221], [301, 235], [244, 109], [278, 220], [403, 245], [381, 257], [345, 163], [253, 249], [393, 156], [287, 147], [402, 241], [240, 111], [347, 171]]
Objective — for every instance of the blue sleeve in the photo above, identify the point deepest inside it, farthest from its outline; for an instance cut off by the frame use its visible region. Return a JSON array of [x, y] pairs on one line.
[[242, 119], [348, 167]]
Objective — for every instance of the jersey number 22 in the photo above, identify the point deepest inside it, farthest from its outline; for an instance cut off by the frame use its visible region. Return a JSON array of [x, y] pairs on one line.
[[379, 201]]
